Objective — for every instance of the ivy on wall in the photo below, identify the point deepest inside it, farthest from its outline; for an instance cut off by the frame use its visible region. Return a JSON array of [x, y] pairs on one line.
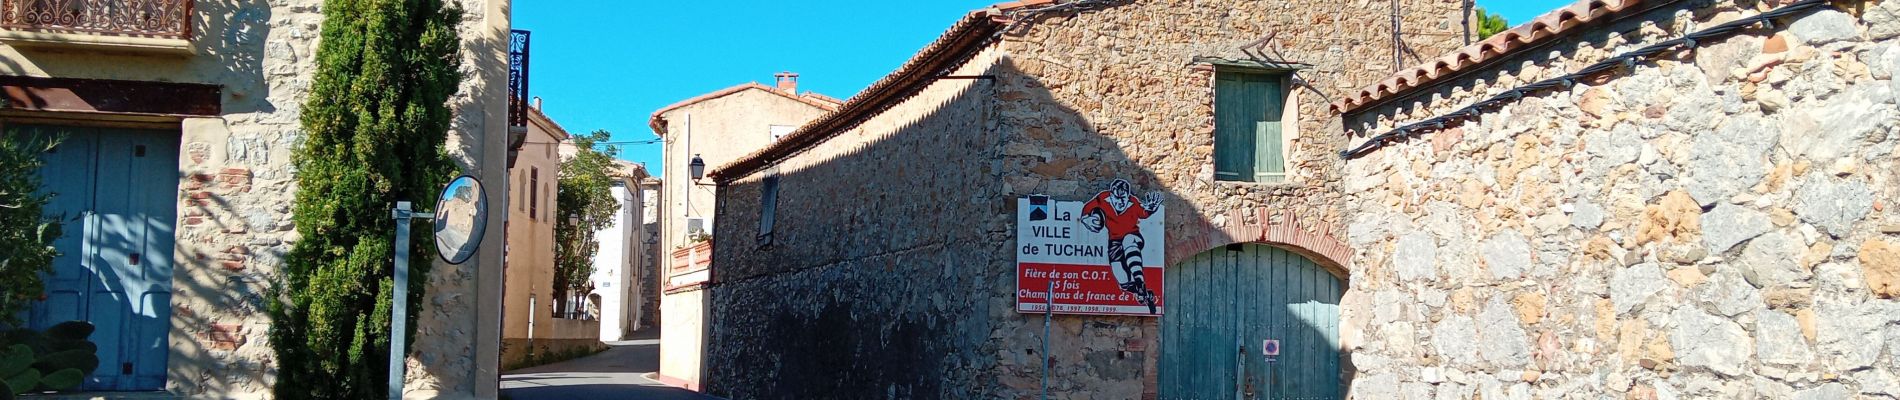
[[377, 117]]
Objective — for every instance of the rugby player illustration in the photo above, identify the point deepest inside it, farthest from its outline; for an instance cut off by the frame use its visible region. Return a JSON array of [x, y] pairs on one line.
[[1120, 212]]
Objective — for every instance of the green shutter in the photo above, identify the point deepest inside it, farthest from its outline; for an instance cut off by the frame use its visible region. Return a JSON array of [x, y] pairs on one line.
[[1233, 130], [1247, 127], [1270, 164]]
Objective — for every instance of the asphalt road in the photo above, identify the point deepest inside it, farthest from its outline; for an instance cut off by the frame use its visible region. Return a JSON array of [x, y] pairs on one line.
[[618, 373]]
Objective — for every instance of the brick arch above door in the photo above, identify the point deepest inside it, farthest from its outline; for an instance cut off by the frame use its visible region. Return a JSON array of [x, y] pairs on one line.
[[1281, 229]]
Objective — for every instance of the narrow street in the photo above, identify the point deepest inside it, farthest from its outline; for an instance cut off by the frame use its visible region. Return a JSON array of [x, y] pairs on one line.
[[618, 373]]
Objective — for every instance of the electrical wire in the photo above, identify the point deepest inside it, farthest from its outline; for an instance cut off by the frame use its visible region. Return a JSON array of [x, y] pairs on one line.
[[1626, 62], [625, 143]]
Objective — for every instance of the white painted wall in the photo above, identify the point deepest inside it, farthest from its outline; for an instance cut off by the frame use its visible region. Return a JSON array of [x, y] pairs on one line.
[[615, 268]]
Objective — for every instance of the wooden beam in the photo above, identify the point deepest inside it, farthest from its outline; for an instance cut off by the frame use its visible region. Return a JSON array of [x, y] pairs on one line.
[[80, 95]]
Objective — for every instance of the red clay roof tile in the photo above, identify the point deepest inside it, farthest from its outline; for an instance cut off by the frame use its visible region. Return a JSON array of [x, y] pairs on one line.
[[1526, 35]]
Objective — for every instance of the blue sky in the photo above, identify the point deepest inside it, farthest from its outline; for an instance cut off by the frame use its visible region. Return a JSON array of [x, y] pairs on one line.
[[607, 64]]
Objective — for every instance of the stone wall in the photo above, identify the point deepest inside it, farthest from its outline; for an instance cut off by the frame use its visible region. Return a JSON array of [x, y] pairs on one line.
[[236, 184], [1098, 96], [719, 131], [885, 241], [891, 267], [1718, 223]]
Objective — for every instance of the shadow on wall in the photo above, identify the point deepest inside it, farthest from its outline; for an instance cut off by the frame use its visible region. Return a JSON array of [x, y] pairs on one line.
[[890, 271], [230, 40]]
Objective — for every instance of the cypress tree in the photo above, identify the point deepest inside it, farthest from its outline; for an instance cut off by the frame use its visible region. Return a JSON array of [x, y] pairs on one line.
[[376, 120]]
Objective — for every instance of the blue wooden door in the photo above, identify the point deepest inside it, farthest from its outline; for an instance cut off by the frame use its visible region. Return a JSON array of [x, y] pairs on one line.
[[116, 190], [1229, 307]]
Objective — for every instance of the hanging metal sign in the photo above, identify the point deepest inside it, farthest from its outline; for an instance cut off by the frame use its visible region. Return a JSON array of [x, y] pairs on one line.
[[1099, 256]]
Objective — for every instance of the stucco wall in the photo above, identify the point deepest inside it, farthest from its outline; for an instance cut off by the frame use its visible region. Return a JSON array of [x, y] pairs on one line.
[[615, 268], [530, 261], [719, 131], [236, 186], [682, 337], [1718, 223]]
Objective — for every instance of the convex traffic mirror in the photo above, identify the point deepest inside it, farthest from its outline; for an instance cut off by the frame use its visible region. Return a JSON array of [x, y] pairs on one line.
[[461, 214]]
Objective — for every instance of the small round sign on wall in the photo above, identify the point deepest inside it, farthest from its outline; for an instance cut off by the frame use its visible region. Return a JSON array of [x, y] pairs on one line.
[[1270, 347]]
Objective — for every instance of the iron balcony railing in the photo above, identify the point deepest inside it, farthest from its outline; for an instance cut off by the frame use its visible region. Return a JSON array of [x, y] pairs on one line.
[[517, 93], [167, 19], [518, 78]]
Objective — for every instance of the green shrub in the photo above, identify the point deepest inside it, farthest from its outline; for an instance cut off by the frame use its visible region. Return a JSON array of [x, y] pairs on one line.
[[377, 118], [26, 234], [57, 359], [586, 195], [1490, 24]]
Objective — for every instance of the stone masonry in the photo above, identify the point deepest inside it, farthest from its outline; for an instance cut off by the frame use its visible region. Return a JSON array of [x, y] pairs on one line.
[[1717, 223], [237, 182], [890, 268]]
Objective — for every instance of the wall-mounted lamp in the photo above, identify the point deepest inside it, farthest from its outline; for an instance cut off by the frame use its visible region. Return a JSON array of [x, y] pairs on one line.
[[697, 167]]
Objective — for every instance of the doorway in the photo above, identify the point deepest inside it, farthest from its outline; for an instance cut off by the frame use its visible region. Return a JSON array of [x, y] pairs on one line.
[[115, 190], [1250, 321]]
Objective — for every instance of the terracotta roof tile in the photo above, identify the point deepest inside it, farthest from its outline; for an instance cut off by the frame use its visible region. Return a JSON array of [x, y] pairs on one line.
[[554, 128], [1527, 35], [957, 45], [658, 123]]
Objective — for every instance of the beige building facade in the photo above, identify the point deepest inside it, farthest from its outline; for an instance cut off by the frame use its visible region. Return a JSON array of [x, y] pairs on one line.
[[534, 321], [201, 109], [714, 128]]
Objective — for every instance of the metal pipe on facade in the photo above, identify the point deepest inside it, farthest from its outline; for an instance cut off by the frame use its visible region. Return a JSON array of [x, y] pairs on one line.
[[1467, 20], [1398, 43], [1048, 307]]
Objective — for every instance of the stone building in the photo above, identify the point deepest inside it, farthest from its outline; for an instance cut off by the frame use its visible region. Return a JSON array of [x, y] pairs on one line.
[[181, 125], [1713, 221], [535, 320], [713, 128], [873, 253], [653, 273]]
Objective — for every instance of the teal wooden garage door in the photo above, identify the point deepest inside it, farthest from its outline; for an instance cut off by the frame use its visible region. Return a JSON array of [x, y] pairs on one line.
[[116, 190], [1229, 307]]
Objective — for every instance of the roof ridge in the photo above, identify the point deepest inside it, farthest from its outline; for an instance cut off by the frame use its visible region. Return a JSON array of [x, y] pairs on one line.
[[658, 123]]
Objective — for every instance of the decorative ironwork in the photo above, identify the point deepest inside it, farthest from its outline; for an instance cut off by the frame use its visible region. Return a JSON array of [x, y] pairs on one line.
[[518, 78], [170, 19]]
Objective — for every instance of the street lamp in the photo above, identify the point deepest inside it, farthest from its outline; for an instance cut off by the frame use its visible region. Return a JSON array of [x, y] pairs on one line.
[[697, 166]]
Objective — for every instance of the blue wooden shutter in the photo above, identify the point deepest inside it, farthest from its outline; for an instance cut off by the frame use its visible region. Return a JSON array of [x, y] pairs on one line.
[[1233, 130], [1247, 130], [1270, 162], [768, 202]]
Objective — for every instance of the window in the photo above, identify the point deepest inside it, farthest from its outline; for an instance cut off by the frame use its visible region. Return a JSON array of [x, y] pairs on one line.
[[768, 203], [1247, 130], [779, 131], [534, 192]]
